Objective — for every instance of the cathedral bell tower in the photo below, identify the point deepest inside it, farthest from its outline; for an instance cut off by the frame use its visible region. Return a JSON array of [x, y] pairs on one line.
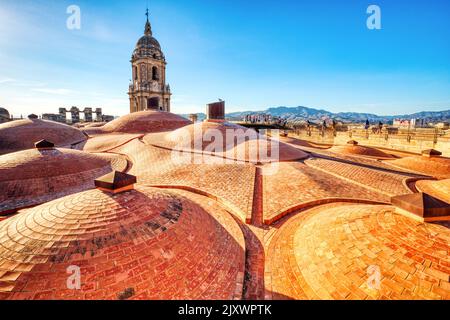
[[148, 89]]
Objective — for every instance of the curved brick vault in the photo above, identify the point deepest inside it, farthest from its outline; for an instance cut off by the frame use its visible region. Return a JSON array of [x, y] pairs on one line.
[[240, 144], [139, 244], [293, 245], [142, 122], [35, 176], [361, 151], [438, 167], [22, 134], [326, 252]]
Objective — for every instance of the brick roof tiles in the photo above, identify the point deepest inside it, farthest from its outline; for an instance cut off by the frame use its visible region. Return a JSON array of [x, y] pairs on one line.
[[150, 243], [22, 134]]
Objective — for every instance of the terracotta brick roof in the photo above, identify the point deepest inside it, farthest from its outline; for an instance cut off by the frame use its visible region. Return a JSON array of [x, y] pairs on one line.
[[311, 228], [435, 166], [140, 244], [193, 138], [35, 163], [333, 251], [145, 122], [22, 134], [355, 149], [35, 176]]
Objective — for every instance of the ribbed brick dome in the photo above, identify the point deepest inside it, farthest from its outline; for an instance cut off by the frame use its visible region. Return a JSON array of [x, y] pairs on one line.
[[146, 122], [334, 251], [22, 134], [138, 244], [34, 176], [200, 136]]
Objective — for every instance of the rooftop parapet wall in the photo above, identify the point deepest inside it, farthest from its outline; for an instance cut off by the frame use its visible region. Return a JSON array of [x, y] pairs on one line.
[[415, 141]]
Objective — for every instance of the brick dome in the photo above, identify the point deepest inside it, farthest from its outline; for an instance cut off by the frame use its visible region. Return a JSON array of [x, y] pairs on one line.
[[34, 176], [331, 252], [22, 134], [194, 138], [354, 149], [146, 122], [139, 244], [438, 167]]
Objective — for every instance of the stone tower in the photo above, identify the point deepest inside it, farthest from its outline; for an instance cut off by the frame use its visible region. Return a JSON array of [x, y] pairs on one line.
[[148, 89]]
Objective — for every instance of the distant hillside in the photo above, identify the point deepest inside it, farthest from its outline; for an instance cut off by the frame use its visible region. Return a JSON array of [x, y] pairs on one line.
[[305, 113]]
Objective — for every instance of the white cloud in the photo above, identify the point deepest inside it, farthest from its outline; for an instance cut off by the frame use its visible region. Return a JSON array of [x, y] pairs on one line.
[[7, 80]]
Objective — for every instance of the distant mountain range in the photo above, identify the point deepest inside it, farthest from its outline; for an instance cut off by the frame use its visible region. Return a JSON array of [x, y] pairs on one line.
[[312, 114]]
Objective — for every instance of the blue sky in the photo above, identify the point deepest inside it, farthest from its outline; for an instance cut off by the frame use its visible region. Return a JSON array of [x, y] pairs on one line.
[[253, 54]]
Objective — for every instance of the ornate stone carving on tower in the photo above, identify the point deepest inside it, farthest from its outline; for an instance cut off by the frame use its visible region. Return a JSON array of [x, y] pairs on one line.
[[148, 89]]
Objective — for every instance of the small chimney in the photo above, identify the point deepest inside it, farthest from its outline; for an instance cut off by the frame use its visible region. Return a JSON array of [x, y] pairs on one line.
[[44, 145], [115, 182], [193, 117], [215, 112], [352, 142], [431, 153]]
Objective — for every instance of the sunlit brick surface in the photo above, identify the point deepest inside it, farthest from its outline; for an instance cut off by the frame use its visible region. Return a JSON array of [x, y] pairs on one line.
[[295, 183], [438, 167], [360, 151], [215, 227], [438, 189], [232, 183], [117, 162], [379, 180], [249, 146], [140, 244], [145, 122], [325, 253], [106, 142], [22, 134], [34, 176]]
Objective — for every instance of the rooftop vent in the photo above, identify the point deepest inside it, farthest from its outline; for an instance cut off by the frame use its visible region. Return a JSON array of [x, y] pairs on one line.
[[422, 207], [115, 182], [216, 111], [431, 153], [44, 144], [352, 142]]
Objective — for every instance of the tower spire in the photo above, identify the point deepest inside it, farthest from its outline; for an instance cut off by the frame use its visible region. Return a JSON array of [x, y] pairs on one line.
[[148, 27]]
